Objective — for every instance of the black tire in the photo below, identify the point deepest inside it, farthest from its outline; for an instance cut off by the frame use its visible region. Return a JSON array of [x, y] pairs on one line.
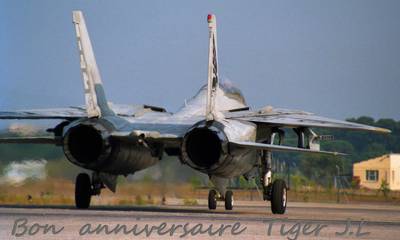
[[83, 191], [212, 199], [229, 200], [279, 197]]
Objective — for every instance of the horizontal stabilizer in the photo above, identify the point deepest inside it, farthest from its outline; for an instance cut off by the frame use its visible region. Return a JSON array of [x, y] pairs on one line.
[[30, 140], [279, 148]]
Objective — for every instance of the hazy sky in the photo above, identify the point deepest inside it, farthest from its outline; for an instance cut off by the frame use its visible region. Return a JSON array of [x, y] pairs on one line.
[[334, 58]]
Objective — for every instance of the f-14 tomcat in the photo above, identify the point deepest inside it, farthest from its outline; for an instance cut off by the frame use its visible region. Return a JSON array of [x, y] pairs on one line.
[[215, 132]]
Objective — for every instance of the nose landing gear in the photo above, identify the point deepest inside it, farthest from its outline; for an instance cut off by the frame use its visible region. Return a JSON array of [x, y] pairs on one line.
[[214, 197], [228, 200]]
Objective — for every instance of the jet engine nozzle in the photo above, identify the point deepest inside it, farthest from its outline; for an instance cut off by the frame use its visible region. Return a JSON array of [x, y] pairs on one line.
[[87, 143], [205, 146]]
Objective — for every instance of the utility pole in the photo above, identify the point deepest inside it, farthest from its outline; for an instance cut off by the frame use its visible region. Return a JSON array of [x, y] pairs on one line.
[[288, 174], [337, 184]]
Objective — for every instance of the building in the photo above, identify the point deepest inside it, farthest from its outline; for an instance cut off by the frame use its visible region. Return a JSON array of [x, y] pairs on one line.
[[371, 173]]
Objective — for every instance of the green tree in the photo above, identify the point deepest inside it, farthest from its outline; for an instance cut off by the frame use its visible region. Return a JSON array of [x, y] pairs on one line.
[[320, 168], [384, 188]]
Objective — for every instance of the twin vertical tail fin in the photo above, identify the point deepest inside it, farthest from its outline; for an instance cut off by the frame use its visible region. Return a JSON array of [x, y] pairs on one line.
[[96, 102], [212, 84]]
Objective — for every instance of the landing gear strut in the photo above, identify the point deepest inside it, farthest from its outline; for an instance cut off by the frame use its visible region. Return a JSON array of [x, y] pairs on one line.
[[85, 188], [266, 174]]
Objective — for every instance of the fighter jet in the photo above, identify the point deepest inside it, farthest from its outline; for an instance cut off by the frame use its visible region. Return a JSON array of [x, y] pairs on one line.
[[215, 132]]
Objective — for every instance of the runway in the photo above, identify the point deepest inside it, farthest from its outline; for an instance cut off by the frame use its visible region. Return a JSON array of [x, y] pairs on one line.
[[248, 220]]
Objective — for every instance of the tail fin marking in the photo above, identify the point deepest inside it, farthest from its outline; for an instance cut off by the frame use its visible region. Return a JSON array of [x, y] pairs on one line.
[[212, 83], [96, 102]]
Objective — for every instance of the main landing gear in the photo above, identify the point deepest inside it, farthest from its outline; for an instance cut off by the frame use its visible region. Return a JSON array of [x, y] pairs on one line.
[[85, 188], [276, 191], [278, 197], [214, 196]]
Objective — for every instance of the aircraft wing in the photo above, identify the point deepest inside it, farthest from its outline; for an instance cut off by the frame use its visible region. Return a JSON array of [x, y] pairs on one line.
[[49, 113], [72, 113], [295, 119]]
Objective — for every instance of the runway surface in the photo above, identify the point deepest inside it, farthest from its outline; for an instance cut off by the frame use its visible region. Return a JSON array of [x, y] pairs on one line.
[[248, 220]]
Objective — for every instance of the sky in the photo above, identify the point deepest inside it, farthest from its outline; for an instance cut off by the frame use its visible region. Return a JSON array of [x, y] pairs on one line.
[[337, 59]]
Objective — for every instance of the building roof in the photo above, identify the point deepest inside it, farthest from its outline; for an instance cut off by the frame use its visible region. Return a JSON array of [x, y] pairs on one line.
[[380, 158]]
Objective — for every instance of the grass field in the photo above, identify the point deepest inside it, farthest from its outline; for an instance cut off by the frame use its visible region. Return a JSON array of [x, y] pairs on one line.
[[61, 192]]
